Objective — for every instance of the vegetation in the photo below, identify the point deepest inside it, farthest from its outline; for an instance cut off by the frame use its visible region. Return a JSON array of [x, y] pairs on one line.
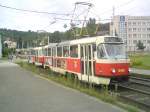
[[140, 45], [141, 61], [6, 51], [75, 84], [32, 39]]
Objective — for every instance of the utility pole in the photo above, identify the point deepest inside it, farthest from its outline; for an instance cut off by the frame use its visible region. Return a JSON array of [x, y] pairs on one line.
[[113, 15]]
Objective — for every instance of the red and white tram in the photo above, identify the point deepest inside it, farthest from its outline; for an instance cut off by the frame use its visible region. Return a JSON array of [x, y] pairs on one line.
[[95, 59]]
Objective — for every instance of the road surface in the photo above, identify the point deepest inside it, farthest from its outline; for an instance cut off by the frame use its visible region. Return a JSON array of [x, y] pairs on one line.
[[23, 91]]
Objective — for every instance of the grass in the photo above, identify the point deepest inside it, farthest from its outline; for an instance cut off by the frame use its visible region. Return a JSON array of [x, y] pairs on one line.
[[141, 61], [4, 58], [82, 87]]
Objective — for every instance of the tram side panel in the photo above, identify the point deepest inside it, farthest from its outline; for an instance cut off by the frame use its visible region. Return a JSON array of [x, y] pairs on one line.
[[74, 65], [111, 70]]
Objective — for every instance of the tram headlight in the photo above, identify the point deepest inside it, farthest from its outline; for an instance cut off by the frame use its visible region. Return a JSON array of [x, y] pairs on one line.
[[113, 70], [129, 70]]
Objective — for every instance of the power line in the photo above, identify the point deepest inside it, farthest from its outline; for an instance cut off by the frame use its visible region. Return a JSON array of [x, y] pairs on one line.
[[117, 7], [67, 19], [34, 11]]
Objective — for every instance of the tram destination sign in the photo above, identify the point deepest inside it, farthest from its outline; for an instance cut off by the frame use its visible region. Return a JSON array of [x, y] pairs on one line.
[[112, 39]]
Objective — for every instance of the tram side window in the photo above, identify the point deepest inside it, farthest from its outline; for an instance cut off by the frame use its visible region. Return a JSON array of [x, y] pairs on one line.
[[74, 51], [44, 52], [65, 51], [94, 49], [54, 51], [40, 52], [59, 51], [49, 52], [100, 52], [33, 52]]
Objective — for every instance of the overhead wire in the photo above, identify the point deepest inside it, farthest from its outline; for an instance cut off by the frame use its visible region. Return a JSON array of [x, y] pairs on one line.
[[122, 5], [34, 11], [62, 14]]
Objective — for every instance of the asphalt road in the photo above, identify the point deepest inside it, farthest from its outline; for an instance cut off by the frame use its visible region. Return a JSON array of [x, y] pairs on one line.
[[23, 91]]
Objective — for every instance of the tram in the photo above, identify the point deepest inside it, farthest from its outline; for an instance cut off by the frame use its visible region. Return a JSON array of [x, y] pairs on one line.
[[97, 60]]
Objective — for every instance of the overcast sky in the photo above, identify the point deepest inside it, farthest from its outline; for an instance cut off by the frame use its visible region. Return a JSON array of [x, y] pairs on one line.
[[24, 21]]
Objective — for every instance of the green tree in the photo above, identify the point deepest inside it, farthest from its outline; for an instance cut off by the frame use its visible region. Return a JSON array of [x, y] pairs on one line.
[[140, 45], [91, 26]]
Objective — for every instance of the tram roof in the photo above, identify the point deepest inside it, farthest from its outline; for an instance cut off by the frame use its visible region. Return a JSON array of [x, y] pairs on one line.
[[83, 40]]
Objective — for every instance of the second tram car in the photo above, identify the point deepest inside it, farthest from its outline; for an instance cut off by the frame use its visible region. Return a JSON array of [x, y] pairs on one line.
[[94, 59]]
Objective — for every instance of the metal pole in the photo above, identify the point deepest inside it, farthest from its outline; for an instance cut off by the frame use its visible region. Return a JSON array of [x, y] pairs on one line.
[[113, 21]]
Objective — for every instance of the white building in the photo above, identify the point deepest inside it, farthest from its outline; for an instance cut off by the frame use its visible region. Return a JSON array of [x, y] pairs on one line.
[[132, 29], [10, 44]]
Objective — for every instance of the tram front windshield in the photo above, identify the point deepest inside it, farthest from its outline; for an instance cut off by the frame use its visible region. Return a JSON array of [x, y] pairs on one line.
[[111, 50]]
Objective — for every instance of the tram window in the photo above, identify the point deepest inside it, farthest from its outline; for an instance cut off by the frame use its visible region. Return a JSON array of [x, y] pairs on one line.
[[74, 51], [44, 52], [65, 51], [59, 51], [32, 52], [94, 49], [54, 51], [49, 52], [39, 52], [101, 52], [82, 54]]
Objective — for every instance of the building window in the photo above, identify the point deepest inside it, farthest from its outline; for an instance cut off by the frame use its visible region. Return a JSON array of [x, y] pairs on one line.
[[129, 23], [139, 23], [134, 29], [148, 41], [130, 35], [134, 35], [134, 23], [129, 41], [143, 35], [139, 29], [139, 35], [148, 23], [148, 35], [144, 41], [143, 29], [143, 23], [130, 29], [148, 29], [134, 41]]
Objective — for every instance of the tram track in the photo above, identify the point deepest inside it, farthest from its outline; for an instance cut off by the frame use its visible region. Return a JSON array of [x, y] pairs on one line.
[[137, 90]]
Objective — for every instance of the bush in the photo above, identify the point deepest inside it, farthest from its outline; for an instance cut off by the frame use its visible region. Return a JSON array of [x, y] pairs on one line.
[[136, 63]]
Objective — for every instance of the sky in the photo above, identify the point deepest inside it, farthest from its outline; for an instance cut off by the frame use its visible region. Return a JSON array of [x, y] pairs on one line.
[[101, 10]]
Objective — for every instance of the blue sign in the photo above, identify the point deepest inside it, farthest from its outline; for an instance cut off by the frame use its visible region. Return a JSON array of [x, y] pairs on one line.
[[122, 18]]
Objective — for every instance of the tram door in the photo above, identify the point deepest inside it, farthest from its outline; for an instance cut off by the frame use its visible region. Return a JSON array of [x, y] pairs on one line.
[[87, 62]]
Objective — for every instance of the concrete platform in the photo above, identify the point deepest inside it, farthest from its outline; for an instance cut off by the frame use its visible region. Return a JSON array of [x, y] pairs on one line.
[[140, 71]]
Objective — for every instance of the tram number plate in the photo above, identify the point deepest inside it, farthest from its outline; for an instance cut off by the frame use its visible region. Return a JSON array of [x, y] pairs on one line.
[[121, 70]]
